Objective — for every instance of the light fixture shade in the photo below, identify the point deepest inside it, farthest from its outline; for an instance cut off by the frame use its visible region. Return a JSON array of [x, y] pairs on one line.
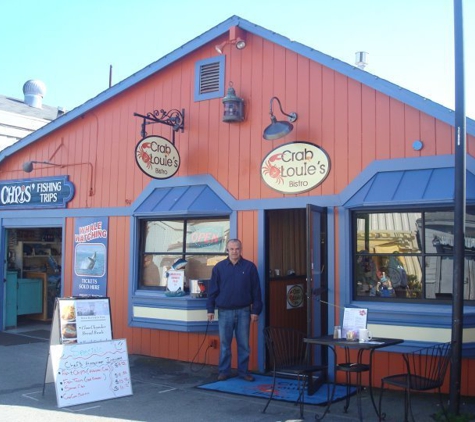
[[240, 43], [233, 106], [277, 130], [28, 166]]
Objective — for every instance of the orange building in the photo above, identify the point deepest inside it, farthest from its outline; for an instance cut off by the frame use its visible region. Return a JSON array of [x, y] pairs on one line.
[[346, 200]]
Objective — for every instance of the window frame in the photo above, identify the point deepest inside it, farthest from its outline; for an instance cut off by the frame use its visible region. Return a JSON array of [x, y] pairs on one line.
[[422, 255], [183, 254]]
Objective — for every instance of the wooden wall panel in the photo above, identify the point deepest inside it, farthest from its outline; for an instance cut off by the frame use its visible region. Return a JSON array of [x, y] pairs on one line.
[[382, 127], [411, 131], [354, 144], [445, 143], [328, 126], [340, 168], [368, 126], [396, 127]]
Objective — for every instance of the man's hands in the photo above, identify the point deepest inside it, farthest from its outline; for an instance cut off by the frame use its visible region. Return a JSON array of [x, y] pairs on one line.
[[210, 317]]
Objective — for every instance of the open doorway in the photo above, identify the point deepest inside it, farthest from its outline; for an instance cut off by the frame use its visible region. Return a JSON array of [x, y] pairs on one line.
[[287, 267], [33, 274], [296, 276]]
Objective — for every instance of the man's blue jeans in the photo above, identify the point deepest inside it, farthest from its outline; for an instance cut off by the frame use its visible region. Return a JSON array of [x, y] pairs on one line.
[[234, 322]]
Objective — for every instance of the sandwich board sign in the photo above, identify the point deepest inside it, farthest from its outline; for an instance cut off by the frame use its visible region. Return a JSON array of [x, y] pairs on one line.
[[84, 362]]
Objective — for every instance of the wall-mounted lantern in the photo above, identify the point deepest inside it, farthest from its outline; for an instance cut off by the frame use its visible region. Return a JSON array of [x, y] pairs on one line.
[[233, 106]]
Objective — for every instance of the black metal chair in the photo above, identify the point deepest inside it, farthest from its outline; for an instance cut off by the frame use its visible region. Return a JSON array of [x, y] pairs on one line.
[[425, 370], [290, 358]]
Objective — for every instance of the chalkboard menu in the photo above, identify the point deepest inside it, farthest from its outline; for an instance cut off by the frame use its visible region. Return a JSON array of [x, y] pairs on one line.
[[90, 372]]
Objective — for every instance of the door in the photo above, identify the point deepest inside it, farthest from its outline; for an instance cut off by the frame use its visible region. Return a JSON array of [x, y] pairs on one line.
[[317, 283], [296, 276]]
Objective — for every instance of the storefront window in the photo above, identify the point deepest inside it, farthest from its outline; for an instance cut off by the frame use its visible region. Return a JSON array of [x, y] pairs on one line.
[[409, 255], [201, 242]]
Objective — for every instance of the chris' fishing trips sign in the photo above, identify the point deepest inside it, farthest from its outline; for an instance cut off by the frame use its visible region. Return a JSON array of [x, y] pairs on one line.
[[90, 256], [295, 167]]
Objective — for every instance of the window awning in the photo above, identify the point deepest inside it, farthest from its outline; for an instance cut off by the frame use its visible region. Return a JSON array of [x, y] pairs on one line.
[[411, 186], [198, 199]]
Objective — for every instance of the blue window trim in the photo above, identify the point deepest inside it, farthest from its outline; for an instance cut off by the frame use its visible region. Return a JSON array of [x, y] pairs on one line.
[[210, 95], [157, 299], [391, 313]]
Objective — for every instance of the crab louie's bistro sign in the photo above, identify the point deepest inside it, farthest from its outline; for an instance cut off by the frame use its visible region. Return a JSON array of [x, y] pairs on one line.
[[157, 157], [295, 167]]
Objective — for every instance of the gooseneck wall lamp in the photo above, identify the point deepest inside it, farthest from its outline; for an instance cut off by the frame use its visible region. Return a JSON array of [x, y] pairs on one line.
[[279, 129], [28, 167]]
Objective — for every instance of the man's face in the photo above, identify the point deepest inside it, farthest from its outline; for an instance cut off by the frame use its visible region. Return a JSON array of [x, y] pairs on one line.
[[234, 251]]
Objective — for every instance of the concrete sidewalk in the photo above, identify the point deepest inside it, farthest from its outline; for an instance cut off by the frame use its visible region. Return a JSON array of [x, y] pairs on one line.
[[165, 390]]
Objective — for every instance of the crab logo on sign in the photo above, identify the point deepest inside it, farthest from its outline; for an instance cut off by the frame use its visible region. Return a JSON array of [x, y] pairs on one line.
[[157, 157], [296, 167], [295, 296]]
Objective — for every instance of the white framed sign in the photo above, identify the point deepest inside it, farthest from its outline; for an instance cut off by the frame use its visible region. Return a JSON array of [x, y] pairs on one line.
[[295, 167], [157, 157], [85, 373]]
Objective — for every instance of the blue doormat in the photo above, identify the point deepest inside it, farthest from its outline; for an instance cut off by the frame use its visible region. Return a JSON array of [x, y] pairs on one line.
[[285, 389]]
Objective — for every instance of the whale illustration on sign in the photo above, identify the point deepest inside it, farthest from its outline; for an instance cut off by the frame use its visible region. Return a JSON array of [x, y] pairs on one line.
[[90, 261]]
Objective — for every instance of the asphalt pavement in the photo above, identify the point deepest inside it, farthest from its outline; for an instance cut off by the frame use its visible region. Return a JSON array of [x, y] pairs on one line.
[[165, 390]]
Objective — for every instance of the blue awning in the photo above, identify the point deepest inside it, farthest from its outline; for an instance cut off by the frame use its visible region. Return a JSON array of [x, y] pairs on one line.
[[411, 186], [199, 200]]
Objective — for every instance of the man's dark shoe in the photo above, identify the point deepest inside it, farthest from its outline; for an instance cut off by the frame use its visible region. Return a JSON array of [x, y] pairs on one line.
[[247, 377], [223, 377]]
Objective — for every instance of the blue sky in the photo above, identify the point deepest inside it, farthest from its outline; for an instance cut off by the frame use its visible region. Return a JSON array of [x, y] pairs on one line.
[[70, 44]]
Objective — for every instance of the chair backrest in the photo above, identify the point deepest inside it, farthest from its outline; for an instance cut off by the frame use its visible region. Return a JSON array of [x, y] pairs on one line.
[[286, 347], [428, 366]]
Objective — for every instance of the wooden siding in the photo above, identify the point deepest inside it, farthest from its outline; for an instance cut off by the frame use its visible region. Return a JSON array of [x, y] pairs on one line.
[[353, 123]]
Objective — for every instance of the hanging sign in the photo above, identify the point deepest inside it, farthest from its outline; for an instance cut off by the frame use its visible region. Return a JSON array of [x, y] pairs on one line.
[[44, 192], [157, 157], [295, 167]]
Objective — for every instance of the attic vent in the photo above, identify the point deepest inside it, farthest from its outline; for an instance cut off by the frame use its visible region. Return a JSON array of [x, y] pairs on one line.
[[209, 78]]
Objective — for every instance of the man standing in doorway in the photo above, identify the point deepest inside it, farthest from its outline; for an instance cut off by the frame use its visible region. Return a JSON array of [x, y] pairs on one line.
[[234, 289]]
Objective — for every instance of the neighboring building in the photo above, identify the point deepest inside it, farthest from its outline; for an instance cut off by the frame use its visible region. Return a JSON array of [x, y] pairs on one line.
[[353, 179], [19, 118]]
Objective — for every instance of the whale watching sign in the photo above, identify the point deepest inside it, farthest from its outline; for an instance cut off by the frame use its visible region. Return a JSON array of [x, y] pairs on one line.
[[90, 257]]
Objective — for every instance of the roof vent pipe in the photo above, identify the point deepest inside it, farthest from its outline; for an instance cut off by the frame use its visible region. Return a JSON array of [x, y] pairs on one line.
[[34, 91], [361, 59]]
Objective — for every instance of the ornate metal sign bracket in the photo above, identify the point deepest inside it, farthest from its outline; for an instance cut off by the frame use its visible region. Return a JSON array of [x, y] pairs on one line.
[[173, 118]]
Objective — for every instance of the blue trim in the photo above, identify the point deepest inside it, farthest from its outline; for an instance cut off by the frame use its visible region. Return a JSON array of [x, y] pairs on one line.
[[197, 199], [384, 182], [261, 268], [407, 97], [211, 95]]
